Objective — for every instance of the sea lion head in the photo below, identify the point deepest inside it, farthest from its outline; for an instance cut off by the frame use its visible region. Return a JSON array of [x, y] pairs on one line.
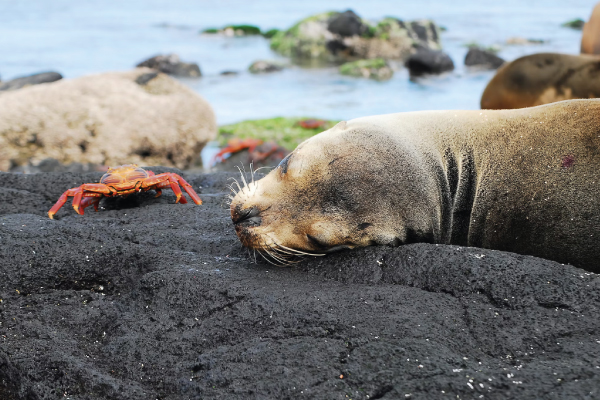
[[337, 190]]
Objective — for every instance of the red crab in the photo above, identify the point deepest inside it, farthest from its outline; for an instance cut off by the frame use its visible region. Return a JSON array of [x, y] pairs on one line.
[[312, 123], [122, 181], [257, 149]]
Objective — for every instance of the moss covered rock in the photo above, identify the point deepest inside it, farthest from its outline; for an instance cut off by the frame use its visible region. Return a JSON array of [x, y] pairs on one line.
[[339, 37], [376, 68]]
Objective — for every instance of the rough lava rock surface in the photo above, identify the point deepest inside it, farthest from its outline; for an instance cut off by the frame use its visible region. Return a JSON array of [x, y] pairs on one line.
[[147, 299]]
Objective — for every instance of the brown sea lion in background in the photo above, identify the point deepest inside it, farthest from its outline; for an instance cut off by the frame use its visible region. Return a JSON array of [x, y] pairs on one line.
[[525, 181], [543, 78], [590, 38]]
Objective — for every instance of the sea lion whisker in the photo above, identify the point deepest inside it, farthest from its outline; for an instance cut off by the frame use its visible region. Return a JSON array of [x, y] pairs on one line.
[[242, 176], [267, 252], [266, 167], [294, 250], [237, 184]]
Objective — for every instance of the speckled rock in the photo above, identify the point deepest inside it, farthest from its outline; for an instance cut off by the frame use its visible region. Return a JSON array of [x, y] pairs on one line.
[[148, 299]]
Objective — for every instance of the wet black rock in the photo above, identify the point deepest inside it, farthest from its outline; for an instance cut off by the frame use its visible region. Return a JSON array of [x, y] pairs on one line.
[[477, 57], [171, 64], [35, 79], [148, 299], [346, 24], [426, 61]]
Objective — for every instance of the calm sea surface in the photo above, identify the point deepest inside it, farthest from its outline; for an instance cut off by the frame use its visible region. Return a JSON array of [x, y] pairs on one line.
[[89, 36]]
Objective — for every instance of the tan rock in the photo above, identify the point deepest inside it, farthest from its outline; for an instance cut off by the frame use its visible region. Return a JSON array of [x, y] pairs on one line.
[[137, 116]]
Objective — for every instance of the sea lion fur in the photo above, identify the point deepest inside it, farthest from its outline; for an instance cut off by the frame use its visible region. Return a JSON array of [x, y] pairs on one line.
[[525, 181]]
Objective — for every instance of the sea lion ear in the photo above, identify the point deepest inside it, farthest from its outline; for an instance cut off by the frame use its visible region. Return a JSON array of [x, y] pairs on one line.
[[283, 165]]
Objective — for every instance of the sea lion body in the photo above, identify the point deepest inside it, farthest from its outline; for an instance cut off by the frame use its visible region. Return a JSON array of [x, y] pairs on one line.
[[525, 181], [590, 37], [542, 78]]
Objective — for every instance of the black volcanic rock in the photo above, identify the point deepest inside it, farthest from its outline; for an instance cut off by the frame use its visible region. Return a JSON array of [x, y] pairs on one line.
[[147, 299], [428, 62], [477, 57], [346, 24]]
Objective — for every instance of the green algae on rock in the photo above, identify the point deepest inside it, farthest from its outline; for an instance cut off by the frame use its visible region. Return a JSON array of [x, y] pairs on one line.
[[284, 131], [376, 68], [324, 37]]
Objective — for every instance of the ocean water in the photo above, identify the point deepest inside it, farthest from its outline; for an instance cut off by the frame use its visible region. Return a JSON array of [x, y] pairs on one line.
[[90, 36]]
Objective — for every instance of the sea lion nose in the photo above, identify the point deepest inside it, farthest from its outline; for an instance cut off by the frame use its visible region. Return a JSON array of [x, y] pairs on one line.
[[249, 216]]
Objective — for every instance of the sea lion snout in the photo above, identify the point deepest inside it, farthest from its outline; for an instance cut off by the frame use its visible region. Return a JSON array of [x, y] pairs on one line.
[[246, 217]]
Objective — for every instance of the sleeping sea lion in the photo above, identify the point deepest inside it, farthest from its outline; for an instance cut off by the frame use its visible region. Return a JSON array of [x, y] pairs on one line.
[[525, 181]]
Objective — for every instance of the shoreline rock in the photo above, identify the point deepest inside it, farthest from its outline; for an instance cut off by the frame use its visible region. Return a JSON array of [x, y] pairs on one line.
[[139, 116], [334, 37]]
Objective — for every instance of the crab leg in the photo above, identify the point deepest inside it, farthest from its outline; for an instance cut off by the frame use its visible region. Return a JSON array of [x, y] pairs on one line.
[[89, 198], [61, 201], [90, 189], [189, 190], [172, 180]]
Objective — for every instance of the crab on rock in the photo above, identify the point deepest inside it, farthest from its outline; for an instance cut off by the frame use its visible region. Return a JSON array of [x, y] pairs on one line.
[[122, 181]]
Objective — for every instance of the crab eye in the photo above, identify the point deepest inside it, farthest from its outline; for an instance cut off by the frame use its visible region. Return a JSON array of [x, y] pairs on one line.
[[284, 164]]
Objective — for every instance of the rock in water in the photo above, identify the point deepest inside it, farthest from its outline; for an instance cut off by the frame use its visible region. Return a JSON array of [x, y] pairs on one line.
[[477, 57], [376, 68], [342, 37], [427, 61], [172, 65], [35, 79], [139, 116], [346, 24], [263, 66]]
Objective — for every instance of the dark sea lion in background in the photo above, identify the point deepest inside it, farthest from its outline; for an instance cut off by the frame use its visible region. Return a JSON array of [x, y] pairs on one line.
[[541, 79], [525, 181], [590, 38]]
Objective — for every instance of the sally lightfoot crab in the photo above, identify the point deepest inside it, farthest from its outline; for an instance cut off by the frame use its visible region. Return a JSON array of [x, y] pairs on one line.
[[122, 181]]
